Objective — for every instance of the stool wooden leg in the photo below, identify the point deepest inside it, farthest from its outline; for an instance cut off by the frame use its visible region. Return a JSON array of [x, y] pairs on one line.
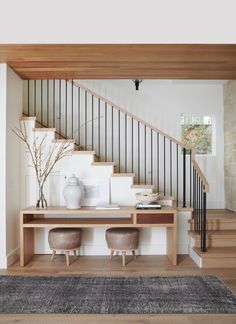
[[75, 254], [111, 254], [123, 258], [53, 254], [134, 255], [67, 258], [78, 251]]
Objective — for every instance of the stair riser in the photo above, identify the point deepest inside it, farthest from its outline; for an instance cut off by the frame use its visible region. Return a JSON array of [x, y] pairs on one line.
[[219, 262], [218, 226], [217, 242]]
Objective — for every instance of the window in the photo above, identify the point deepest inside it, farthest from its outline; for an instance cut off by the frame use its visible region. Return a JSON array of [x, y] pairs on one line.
[[197, 131]]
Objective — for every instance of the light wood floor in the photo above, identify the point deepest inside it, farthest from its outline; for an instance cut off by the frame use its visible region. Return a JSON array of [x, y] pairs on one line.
[[101, 266]]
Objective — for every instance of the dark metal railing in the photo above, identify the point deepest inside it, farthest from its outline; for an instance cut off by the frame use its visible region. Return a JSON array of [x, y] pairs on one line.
[[116, 135]]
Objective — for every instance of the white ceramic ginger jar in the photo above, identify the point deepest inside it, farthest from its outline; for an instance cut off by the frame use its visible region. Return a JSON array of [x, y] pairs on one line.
[[73, 192]]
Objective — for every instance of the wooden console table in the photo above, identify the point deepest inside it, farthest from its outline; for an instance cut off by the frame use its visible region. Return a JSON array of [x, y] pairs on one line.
[[31, 218]]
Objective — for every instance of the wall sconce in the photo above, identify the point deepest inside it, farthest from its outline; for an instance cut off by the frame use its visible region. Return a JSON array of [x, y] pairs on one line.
[[137, 83]]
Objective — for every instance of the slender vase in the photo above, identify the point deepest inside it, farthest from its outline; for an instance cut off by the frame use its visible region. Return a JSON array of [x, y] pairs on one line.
[[41, 202]]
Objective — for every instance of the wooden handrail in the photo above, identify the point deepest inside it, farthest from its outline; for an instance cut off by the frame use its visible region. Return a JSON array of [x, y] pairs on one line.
[[201, 175]]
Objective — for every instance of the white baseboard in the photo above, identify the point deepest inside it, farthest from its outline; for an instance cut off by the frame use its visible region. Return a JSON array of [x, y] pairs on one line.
[[3, 262], [193, 255], [10, 258], [13, 256]]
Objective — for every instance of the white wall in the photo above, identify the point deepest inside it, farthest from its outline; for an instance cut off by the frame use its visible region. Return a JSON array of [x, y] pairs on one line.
[[10, 166], [3, 82], [161, 103]]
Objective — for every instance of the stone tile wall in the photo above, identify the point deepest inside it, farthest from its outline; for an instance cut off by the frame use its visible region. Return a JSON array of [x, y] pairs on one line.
[[230, 144]]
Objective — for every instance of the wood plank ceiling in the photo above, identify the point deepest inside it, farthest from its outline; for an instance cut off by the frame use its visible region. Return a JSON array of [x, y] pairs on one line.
[[121, 61]]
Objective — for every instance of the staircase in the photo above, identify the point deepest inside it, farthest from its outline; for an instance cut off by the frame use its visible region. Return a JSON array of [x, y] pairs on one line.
[[137, 154], [220, 240]]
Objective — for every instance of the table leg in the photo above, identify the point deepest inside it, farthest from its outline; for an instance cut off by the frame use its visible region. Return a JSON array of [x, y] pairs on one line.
[[26, 242], [171, 244]]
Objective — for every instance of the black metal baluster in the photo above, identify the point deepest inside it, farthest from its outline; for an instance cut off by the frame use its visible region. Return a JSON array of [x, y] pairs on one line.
[[151, 156], [119, 138], [199, 206], [132, 144], [53, 103], [138, 152], [99, 123], [177, 174], [92, 124], [47, 103], [125, 143], [72, 109], [85, 119], [66, 108], [41, 103], [78, 126], [112, 120], [170, 167], [145, 154], [197, 213], [164, 157], [203, 236], [105, 131], [158, 162], [194, 198], [28, 113], [35, 113], [190, 177], [60, 108], [184, 177]]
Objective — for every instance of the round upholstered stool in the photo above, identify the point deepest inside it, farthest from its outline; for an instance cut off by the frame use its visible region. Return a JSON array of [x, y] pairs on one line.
[[122, 239], [65, 240]]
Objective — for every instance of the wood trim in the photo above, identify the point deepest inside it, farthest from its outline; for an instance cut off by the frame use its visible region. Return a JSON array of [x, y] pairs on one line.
[[140, 186], [43, 129], [63, 141], [103, 163], [116, 175], [27, 118], [77, 152], [201, 175], [121, 61]]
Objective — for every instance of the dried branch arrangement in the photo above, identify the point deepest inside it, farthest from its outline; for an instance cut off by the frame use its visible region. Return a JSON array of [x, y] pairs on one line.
[[43, 161]]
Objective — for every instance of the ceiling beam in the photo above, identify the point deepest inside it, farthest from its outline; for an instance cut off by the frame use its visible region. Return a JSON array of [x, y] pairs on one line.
[[121, 61]]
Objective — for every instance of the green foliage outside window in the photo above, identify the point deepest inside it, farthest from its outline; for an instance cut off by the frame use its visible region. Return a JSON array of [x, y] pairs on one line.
[[197, 132]]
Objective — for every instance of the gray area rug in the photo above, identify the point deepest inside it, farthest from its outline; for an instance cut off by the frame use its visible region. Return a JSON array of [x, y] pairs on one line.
[[115, 295]]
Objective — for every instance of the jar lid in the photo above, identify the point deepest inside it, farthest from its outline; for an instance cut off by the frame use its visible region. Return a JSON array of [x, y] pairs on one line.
[[73, 180]]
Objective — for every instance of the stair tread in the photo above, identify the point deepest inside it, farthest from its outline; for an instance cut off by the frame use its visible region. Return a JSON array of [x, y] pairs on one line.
[[142, 186], [27, 118], [103, 163], [43, 129], [216, 234], [63, 140], [220, 252], [123, 175], [83, 152]]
